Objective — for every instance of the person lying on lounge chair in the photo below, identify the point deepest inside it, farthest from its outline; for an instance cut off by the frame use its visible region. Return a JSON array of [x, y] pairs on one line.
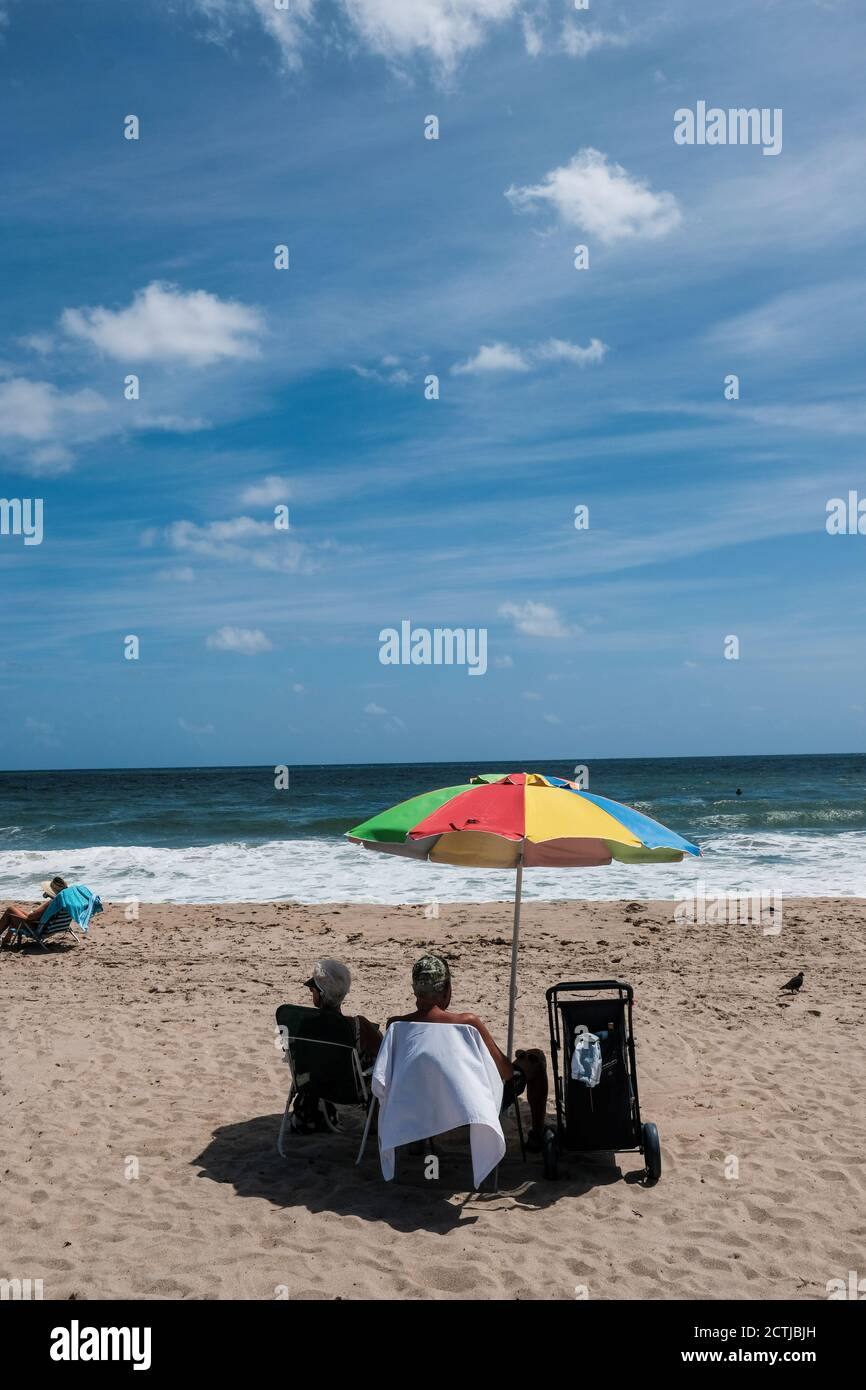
[[431, 982], [53, 913], [15, 914]]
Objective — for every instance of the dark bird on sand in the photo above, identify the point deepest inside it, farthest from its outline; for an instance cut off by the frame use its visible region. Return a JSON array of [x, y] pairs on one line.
[[794, 984]]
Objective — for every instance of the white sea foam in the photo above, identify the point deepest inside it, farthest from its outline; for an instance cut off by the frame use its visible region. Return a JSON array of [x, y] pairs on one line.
[[324, 870]]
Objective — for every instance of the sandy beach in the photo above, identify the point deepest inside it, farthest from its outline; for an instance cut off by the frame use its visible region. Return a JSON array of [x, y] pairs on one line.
[[142, 1091]]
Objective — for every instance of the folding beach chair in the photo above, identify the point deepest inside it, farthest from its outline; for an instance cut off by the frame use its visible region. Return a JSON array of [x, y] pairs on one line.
[[432, 1079], [61, 923], [319, 1047]]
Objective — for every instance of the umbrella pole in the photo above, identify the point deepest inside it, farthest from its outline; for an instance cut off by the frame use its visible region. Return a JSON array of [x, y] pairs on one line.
[[515, 936]]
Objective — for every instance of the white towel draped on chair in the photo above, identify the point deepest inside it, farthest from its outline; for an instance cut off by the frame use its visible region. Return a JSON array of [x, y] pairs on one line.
[[433, 1077]]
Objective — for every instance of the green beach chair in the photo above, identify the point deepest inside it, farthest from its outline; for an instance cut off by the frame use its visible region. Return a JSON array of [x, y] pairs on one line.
[[319, 1047]]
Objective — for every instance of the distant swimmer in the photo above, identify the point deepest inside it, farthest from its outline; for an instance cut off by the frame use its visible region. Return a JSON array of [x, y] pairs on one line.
[[739, 793]]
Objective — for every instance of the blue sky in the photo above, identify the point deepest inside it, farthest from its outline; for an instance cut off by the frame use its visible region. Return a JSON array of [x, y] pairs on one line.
[[411, 257]]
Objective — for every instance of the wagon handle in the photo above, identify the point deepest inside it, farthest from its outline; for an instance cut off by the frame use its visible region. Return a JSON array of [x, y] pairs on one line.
[[591, 984]]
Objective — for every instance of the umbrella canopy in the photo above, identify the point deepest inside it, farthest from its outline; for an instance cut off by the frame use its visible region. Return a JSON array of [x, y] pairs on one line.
[[516, 820], [500, 820]]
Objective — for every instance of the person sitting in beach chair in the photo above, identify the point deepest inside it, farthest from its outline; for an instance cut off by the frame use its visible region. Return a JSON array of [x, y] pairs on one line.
[[67, 904], [331, 1054], [432, 1081], [431, 982], [329, 984]]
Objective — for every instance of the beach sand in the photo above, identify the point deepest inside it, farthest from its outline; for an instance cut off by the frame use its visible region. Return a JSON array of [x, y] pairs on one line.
[[151, 1050]]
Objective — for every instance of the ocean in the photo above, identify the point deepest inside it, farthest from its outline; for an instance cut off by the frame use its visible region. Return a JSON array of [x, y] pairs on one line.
[[798, 827]]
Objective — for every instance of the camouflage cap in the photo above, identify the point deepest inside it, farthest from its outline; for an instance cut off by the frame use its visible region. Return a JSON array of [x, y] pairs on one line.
[[430, 975]]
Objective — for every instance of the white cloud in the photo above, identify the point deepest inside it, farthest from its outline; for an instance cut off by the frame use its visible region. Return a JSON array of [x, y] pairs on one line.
[[49, 460], [240, 538], [174, 424], [602, 199], [249, 641], [266, 492], [551, 719], [531, 695], [535, 619], [819, 417], [388, 372], [559, 350], [492, 357], [580, 39], [36, 420], [441, 29], [43, 343], [373, 708], [298, 689], [43, 425], [501, 357], [285, 26], [210, 538], [164, 324], [35, 410], [532, 39], [505, 663]]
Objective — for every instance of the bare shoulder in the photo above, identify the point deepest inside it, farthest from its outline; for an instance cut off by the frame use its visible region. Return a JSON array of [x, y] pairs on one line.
[[472, 1019]]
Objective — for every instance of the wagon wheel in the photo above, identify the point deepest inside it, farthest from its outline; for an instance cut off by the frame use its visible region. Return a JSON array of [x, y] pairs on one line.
[[652, 1154]]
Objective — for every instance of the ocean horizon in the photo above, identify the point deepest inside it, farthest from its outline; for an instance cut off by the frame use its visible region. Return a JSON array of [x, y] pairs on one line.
[[792, 824]]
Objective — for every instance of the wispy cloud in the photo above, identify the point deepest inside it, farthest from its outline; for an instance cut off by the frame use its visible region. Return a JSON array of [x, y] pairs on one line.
[[40, 421], [579, 40], [247, 641], [389, 372], [794, 325], [287, 27], [535, 619], [442, 30], [240, 539], [379, 712], [501, 357], [267, 492]]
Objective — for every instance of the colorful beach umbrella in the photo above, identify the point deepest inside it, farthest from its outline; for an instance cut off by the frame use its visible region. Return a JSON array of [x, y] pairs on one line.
[[519, 820]]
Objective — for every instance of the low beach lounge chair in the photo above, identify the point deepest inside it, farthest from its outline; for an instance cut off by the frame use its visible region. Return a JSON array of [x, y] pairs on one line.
[[73, 907], [319, 1047]]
